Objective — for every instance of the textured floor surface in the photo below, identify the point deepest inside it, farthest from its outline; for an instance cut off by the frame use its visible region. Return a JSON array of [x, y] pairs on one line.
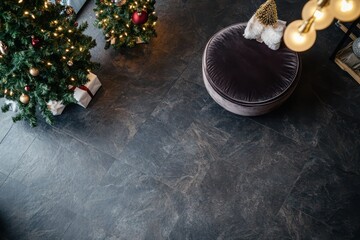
[[153, 157]]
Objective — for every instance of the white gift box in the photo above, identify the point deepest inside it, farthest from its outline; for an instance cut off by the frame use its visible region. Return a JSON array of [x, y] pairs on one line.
[[83, 94], [56, 107], [13, 106]]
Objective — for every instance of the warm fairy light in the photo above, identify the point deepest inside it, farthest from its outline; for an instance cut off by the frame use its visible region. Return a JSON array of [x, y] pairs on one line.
[[154, 23], [49, 63], [26, 13], [20, 1], [67, 50], [72, 79], [72, 47], [127, 25], [64, 57], [81, 49], [11, 93], [60, 28], [5, 91], [70, 31], [55, 34]]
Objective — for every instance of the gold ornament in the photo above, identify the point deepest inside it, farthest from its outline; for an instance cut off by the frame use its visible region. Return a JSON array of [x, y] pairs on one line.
[[120, 2], [24, 98], [267, 13], [70, 63], [34, 71], [70, 10]]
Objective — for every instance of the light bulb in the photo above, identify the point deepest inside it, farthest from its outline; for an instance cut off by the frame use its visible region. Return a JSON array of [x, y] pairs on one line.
[[323, 15], [345, 10], [299, 41]]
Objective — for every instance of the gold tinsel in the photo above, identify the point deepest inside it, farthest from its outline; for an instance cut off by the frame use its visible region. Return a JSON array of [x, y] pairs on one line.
[[267, 13]]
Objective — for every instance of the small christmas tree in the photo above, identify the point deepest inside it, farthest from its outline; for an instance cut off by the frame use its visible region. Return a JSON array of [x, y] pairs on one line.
[[267, 13], [42, 52], [126, 22]]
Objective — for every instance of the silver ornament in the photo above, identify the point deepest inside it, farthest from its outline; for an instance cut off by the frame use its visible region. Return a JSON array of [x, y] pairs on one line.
[[70, 63], [356, 47]]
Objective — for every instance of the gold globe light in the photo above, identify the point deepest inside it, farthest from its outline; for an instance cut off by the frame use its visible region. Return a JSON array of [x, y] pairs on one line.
[[345, 10], [321, 11], [300, 35]]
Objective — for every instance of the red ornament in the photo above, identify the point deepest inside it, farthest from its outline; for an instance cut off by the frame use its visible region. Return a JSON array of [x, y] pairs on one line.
[[76, 24], [35, 41], [139, 18], [27, 88]]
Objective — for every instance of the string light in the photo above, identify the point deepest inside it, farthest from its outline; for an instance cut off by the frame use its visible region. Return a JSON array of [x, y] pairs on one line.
[[300, 35]]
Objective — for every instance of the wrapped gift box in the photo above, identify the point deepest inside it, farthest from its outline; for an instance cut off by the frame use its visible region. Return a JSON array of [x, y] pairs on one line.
[[83, 94], [13, 106], [56, 107]]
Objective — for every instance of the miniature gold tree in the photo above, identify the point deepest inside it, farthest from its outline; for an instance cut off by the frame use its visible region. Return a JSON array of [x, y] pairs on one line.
[[267, 13]]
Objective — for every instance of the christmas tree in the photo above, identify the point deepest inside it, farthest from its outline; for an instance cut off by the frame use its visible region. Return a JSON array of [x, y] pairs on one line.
[[126, 22], [267, 13], [42, 52]]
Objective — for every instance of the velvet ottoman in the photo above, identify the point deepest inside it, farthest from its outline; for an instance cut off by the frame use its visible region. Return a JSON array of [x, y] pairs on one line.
[[245, 76]]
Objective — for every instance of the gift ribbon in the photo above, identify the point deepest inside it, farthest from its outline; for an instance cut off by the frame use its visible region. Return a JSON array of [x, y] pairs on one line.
[[82, 87]]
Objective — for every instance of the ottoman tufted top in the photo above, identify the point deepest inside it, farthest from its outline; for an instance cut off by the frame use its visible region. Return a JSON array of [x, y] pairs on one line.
[[246, 71]]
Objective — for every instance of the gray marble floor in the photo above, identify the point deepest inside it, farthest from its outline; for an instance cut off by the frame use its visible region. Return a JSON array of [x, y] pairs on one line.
[[153, 157]]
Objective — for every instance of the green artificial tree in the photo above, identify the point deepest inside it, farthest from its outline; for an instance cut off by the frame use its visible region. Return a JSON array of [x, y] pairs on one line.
[[42, 52], [126, 22]]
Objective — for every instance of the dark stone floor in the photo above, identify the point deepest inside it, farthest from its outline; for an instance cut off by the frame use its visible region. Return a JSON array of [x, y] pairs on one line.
[[153, 157]]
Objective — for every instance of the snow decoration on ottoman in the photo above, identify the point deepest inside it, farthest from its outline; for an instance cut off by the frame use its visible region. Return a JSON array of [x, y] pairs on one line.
[[264, 26]]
